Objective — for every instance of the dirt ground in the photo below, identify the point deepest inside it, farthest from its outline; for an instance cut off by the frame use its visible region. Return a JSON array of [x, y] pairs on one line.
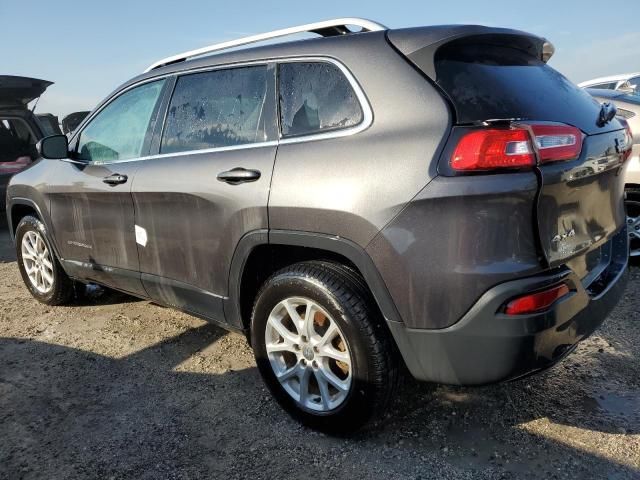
[[119, 388]]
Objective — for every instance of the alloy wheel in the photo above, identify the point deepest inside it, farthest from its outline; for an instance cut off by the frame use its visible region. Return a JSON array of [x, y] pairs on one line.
[[37, 260], [633, 226], [309, 354]]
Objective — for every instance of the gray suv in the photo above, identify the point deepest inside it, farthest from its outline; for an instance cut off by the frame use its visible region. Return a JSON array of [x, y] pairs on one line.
[[436, 198]]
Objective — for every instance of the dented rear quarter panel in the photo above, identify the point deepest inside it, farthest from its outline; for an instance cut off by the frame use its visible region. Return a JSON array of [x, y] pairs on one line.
[[456, 239]]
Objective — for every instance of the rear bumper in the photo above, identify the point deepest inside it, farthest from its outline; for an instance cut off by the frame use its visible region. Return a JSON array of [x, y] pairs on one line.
[[487, 346]]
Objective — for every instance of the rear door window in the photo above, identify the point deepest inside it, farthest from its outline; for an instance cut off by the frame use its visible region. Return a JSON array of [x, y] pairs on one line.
[[220, 108], [17, 145], [118, 132], [315, 97]]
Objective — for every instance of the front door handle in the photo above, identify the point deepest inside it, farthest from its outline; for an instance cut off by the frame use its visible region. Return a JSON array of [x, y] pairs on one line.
[[239, 175], [115, 179]]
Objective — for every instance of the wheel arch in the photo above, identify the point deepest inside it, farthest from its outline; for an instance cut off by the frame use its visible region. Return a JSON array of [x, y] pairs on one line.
[[263, 252], [20, 207]]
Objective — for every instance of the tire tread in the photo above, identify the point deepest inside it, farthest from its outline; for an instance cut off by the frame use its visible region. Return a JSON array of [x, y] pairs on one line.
[[353, 295], [63, 288]]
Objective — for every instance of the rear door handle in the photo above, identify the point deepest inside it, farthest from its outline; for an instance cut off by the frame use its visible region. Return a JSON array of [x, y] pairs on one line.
[[115, 179], [239, 175]]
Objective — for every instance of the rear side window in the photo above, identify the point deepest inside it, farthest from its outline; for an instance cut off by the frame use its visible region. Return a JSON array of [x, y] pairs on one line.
[[315, 97], [221, 108], [119, 130]]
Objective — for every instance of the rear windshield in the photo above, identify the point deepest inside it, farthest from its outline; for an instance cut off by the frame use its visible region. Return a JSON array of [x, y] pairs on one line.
[[489, 82]]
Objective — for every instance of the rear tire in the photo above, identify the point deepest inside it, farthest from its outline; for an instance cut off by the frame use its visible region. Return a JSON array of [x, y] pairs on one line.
[[347, 343], [632, 207], [39, 267]]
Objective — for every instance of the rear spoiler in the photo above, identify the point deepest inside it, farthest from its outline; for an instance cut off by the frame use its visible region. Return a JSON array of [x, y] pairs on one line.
[[420, 44]]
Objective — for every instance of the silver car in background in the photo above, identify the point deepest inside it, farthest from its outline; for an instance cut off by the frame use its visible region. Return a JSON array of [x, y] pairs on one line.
[[628, 82], [628, 106]]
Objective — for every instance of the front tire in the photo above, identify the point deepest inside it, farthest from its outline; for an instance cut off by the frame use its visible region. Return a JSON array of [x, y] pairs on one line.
[[322, 348], [39, 267]]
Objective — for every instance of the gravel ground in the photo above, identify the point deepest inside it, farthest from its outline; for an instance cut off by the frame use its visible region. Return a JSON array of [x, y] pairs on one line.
[[120, 388]]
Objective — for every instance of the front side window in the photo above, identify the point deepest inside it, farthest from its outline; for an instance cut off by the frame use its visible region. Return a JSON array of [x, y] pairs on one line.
[[118, 131], [315, 97], [220, 108], [17, 145]]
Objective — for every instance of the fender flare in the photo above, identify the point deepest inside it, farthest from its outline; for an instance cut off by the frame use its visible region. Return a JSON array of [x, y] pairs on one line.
[[43, 218], [330, 243]]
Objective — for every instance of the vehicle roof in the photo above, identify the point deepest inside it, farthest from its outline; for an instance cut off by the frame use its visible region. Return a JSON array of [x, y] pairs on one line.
[[611, 78], [324, 46], [332, 46], [263, 52]]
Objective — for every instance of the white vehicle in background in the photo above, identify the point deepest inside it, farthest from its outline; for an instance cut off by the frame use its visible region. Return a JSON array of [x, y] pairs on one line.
[[629, 82]]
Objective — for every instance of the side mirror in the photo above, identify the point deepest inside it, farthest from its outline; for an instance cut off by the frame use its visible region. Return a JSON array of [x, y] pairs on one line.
[[54, 147]]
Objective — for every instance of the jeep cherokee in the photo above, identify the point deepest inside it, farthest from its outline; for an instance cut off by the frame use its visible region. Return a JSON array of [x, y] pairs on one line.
[[437, 198]]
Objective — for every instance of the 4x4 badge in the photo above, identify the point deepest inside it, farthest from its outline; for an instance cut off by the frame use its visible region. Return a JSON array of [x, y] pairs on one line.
[[560, 237]]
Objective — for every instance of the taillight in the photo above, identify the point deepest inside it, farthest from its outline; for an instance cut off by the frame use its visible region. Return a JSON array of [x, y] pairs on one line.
[[557, 142], [492, 148], [536, 302]]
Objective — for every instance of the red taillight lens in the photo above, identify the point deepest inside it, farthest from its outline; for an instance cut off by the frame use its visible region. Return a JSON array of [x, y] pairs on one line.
[[493, 148], [536, 302], [511, 148], [557, 142]]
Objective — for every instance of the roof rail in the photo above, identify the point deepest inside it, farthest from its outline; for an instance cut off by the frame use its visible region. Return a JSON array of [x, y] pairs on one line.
[[327, 28]]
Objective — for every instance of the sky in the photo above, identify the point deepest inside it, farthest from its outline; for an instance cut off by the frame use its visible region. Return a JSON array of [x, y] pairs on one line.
[[89, 48]]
